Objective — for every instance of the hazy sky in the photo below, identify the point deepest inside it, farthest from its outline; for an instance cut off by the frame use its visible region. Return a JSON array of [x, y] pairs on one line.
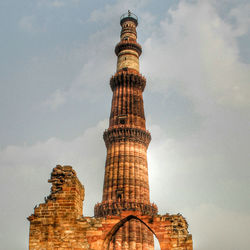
[[57, 57]]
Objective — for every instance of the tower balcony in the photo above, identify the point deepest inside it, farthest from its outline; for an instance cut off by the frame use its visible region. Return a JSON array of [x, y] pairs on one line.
[[129, 16]]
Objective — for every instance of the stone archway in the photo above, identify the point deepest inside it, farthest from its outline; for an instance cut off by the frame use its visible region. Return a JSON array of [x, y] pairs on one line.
[[130, 233]]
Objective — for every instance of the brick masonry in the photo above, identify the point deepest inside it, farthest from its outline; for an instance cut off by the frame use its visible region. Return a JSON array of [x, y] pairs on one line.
[[59, 224]]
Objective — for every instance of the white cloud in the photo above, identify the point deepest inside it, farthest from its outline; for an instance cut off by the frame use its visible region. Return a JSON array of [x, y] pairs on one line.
[[99, 57], [117, 9], [57, 3], [205, 178], [26, 169], [196, 50], [193, 49], [240, 19], [221, 228], [26, 23], [31, 24], [98, 64], [56, 100]]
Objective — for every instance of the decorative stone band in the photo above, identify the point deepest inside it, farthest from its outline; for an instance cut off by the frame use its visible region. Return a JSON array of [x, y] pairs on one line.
[[129, 30], [116, 207], [128, 44], [126, 134], [124, 78], [129, 18]]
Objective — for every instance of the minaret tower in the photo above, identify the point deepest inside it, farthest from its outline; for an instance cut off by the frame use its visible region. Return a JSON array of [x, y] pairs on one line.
[[126, 186]]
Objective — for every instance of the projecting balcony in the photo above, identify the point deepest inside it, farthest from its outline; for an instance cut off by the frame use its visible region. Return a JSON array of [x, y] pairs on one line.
[[129, 16]]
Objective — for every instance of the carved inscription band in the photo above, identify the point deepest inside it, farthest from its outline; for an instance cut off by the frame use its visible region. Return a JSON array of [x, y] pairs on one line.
[[126, 134], [127, 79]]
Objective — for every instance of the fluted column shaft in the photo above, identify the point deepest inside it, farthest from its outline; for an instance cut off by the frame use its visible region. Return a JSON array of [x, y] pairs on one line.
[[126, 184]]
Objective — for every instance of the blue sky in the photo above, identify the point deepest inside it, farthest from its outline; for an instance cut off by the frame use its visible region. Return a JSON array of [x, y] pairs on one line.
[[57, 57]]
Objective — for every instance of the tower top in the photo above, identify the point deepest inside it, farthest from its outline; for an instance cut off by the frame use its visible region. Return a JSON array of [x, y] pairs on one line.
[[129, 16]]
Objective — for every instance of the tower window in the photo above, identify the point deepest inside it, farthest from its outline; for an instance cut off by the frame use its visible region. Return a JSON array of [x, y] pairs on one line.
[[119, 194], [122, 119]]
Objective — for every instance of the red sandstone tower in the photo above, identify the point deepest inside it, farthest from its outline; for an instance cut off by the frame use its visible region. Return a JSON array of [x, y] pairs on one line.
[[126, 186], [125, 219]]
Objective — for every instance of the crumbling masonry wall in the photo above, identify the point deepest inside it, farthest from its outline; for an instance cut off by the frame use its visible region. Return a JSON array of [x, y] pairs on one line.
[[59, 224]]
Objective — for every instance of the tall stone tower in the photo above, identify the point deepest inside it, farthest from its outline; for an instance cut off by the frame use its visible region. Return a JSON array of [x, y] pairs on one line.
[[126, 186], [125, 218]]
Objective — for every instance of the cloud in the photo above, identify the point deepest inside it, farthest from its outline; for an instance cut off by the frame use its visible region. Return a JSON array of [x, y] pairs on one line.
[[200, 55], [208, 159], [26, 169], [99, 56], [26, 23], [206, 178], [220, 225], [56, 3], [103, 15], [31, 24], [56, 100], [203, 48], [240, 19]]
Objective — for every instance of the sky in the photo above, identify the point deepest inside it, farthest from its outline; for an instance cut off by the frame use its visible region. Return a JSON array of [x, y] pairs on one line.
[[57, 57]]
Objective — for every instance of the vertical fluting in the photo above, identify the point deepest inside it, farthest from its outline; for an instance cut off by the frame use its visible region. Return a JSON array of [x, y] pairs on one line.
[[126, 184], [133, 235]]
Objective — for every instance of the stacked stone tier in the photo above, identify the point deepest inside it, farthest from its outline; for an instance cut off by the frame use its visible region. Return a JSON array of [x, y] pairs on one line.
[[127, 104], [129, 30], [126, 172], [128, 78], [128, 44], [128, 50]]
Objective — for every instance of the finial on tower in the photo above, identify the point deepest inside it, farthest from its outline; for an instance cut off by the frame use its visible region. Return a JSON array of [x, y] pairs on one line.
[[129, 16]]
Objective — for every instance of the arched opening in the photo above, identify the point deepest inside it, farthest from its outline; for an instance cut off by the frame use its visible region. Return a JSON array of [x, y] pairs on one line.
[[131, 233]]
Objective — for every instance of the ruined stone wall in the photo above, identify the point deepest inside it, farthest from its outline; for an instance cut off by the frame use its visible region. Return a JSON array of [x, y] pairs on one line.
[[53, 223], [58, 224]]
